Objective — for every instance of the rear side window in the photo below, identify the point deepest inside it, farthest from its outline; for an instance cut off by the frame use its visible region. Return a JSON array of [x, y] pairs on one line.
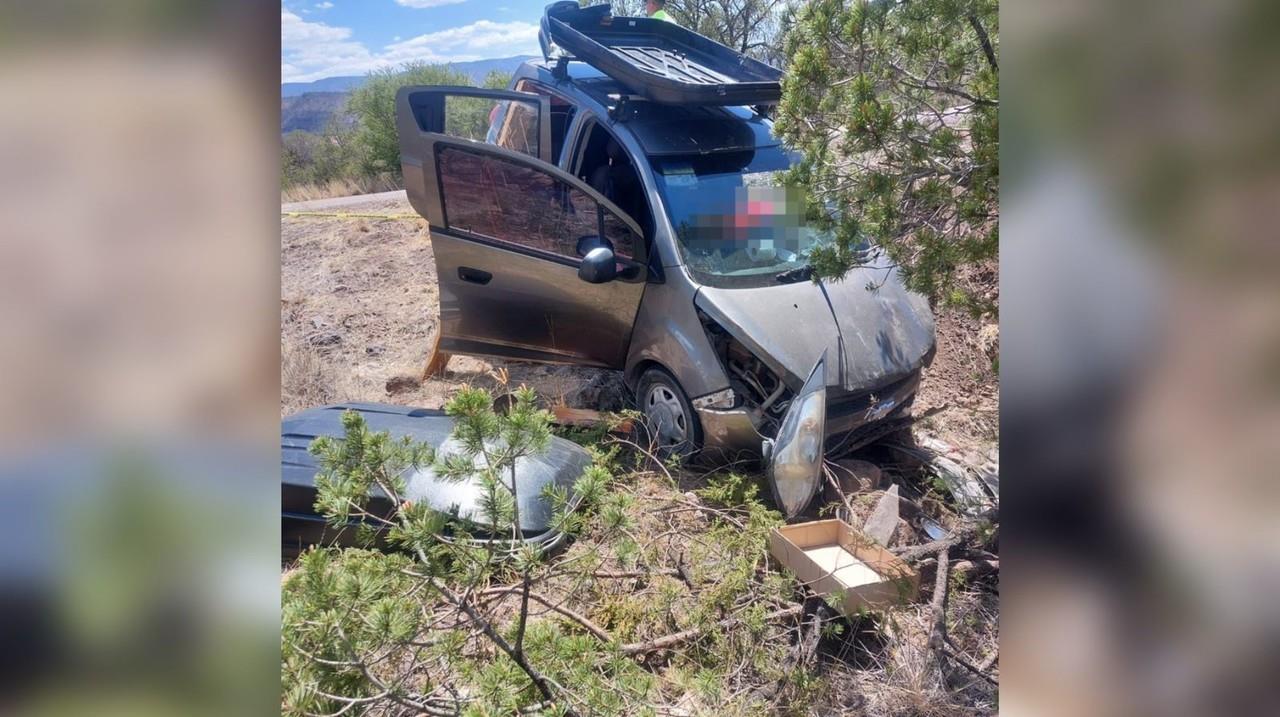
[[511, 124], [561, 115], [515, 127], [497, 199]]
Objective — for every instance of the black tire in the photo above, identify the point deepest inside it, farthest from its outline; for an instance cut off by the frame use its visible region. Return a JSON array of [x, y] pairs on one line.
[[658, 395]]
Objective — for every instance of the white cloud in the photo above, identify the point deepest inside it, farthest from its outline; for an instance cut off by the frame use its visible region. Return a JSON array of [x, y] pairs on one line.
[[324, 5], [312, 50], [427, 3], [482, 39]]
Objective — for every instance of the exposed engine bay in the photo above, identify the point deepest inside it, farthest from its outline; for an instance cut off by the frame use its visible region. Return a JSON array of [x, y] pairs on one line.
[[755, 386]]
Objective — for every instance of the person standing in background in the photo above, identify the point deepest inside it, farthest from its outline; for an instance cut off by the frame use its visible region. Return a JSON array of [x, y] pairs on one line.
[[656, 9]]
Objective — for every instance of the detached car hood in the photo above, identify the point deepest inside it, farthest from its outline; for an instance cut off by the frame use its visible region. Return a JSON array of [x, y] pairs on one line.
[[870, 336]]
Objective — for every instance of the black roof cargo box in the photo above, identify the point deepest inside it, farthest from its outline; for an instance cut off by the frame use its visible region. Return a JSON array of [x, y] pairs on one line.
[[562, 463], [655, 59]]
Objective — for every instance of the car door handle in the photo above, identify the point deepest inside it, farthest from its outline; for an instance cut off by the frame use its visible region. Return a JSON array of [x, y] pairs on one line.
[[475, 276]]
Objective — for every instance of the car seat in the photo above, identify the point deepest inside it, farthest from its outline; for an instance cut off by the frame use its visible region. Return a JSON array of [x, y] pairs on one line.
[[616, 179]]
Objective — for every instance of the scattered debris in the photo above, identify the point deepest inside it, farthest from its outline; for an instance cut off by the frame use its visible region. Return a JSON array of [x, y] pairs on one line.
[[603, 390], [586, 417], [855, 476], [832, 558], [974, 489], [437, 360], [932, 529], [561, 464], [884, 519]]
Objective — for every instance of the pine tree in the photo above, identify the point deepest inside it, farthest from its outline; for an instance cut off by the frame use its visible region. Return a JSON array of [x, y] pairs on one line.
[[894, 105]]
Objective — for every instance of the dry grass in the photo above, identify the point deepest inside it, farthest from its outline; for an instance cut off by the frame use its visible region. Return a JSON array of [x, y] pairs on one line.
[[306, 379], [344, 187]]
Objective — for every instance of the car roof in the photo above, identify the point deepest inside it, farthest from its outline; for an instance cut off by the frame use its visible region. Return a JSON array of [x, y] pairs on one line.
[[661, 129]]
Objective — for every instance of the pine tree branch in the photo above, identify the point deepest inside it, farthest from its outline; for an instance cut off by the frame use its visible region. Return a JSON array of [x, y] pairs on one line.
[[984, 40], [673, 639], [923, 84], [539, 680], [586, 623]]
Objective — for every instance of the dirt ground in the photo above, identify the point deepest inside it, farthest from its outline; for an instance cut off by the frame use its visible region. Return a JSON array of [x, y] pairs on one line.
[[358, 313]]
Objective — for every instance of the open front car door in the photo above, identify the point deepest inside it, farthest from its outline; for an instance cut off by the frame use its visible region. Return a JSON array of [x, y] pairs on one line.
[[532, 263], [795, 454]]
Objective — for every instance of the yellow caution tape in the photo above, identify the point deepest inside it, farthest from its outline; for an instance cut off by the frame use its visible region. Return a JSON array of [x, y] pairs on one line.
[[351, 215]]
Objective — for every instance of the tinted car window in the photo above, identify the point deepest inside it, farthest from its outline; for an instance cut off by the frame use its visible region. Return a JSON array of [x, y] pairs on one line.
[[515, 127], [561, 115], [620, 235], [512, 124], [499, 199]]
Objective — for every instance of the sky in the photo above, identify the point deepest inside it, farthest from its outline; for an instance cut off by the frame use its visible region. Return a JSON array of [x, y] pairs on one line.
[[351, 37]]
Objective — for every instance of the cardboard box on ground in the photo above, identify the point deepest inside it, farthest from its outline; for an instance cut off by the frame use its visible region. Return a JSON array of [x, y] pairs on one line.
[[831, 558]]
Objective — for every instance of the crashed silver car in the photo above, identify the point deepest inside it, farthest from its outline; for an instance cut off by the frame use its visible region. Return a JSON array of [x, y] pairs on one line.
[[575, 221]]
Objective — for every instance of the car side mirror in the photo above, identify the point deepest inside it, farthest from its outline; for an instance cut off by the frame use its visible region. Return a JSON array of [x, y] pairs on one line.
[[587, 243], [598, 266]]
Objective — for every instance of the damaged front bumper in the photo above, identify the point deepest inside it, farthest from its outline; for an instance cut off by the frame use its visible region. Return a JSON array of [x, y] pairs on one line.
[[816, 423], [736, 431]]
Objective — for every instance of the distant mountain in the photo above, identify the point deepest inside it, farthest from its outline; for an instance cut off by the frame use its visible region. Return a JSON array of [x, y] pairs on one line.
[[328, 84], [312, 111], [476, 69]]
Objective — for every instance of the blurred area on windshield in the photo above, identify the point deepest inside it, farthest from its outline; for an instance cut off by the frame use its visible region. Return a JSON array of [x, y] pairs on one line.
[[732, 216], [762, 227]]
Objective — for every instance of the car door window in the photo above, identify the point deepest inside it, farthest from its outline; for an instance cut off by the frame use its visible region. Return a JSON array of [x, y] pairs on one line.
[[494, 198], [511, 120]]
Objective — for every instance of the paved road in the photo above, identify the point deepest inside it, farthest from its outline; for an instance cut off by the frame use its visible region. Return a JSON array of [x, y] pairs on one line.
[[339, 202]]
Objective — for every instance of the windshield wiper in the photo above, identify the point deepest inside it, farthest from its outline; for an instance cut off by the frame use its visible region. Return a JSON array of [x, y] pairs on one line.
[[800, 273]]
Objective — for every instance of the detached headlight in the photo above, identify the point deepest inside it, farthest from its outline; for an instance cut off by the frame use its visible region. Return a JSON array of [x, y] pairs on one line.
[[795, 456]]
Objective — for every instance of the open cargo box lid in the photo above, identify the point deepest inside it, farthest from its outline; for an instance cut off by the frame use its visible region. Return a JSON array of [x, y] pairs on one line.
[[656, 59], [832, 558]]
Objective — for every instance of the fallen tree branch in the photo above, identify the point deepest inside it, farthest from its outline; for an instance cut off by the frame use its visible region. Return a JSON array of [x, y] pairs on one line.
[[586, 623], [916, 552], [671, 640], [959, 660], [938, 605], [624, 574], [938, 639], [803, 652], [966, 567], [541, 682]]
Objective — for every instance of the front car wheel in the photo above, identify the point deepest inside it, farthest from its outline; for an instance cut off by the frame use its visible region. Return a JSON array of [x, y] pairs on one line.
[[673, 425]]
